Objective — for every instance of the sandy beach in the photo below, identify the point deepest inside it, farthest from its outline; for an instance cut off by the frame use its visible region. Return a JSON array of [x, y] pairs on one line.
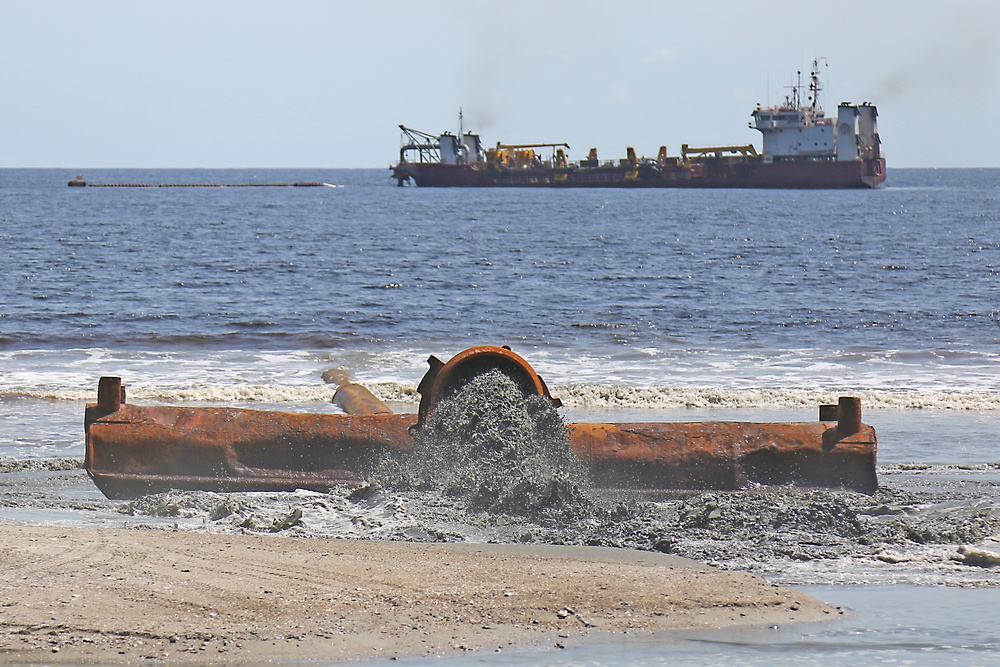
[[114, 596]]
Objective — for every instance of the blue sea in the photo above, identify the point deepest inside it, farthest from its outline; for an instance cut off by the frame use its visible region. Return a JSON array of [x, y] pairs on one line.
[[648, 305]]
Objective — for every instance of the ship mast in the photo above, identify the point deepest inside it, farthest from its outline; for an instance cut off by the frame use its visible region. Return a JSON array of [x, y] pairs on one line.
[[815, 87], [795, 101], [792, 99]]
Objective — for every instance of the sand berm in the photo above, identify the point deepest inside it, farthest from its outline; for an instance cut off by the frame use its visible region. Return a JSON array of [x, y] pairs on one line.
[[94, 595]]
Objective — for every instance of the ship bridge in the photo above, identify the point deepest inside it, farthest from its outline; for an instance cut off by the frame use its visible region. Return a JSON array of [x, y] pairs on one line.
[[800, 129]]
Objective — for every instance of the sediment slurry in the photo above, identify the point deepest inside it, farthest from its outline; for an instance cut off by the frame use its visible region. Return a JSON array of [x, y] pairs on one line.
[[792, 535], [496, 450], [115, 596]]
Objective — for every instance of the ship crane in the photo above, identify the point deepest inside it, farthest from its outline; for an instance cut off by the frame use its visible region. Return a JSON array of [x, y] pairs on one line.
[[523, 155], [519, 146], [416, 135], [427, 146]]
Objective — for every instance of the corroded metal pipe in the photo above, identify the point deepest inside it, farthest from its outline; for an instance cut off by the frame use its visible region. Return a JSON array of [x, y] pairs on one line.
[[132, 450], [110, 394], [353, 398], [144, 449], [725, 455], [444, 379]]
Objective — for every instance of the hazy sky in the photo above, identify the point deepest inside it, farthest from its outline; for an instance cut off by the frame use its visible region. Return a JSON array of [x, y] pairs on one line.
[[310, 83]]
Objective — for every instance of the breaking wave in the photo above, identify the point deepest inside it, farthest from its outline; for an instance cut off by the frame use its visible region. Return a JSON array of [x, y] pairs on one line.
[[575, 396], [633, 378], [621, 396]]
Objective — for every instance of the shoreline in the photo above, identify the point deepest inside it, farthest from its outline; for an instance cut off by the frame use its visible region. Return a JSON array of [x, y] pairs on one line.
[[96, 595]]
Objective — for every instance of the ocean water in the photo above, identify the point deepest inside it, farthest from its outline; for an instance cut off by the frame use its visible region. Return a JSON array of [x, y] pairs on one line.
[[633, 305]]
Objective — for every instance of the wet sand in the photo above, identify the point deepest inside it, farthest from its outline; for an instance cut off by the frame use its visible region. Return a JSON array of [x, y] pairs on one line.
[[114, 596]]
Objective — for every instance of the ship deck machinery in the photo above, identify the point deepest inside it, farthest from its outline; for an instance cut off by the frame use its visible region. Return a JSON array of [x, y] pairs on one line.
[[132, 450], [802, 148]]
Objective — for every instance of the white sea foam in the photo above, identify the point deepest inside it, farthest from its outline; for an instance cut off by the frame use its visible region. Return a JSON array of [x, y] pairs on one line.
[[636, 379], [578, 397], [621, 396]]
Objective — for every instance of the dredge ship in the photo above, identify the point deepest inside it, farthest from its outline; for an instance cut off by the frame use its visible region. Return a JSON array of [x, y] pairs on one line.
[[802, 148]]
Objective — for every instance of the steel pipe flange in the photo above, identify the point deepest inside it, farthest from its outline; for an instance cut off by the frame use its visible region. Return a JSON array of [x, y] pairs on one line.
[[444, 379]]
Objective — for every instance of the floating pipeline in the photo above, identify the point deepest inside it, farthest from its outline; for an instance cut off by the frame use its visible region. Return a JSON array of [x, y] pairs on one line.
[[79, 182], [133, 450]]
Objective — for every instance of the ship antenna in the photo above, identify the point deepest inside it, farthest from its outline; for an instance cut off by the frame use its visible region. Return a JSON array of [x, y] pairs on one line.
[[797, 90], [814, 84]]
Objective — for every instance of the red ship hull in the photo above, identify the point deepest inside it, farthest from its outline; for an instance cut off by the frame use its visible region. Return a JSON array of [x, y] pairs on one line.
[[722, 173]]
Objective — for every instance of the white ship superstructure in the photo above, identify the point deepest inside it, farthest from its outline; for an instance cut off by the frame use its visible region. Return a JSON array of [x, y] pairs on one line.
[[799, 129]]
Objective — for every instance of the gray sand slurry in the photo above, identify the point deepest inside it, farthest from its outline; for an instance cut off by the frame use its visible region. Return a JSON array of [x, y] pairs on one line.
[[85, 595]]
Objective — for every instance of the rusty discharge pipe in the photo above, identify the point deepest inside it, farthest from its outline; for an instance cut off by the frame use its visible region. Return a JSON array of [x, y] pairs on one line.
[[132, 450], [444, 379], [353, 398], [145, 449]]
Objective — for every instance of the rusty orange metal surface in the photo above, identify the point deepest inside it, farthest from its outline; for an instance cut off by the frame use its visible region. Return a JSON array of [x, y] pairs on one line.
[[353, 398], [443, 379], [141, 449], [133, 450], [726, 455]]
